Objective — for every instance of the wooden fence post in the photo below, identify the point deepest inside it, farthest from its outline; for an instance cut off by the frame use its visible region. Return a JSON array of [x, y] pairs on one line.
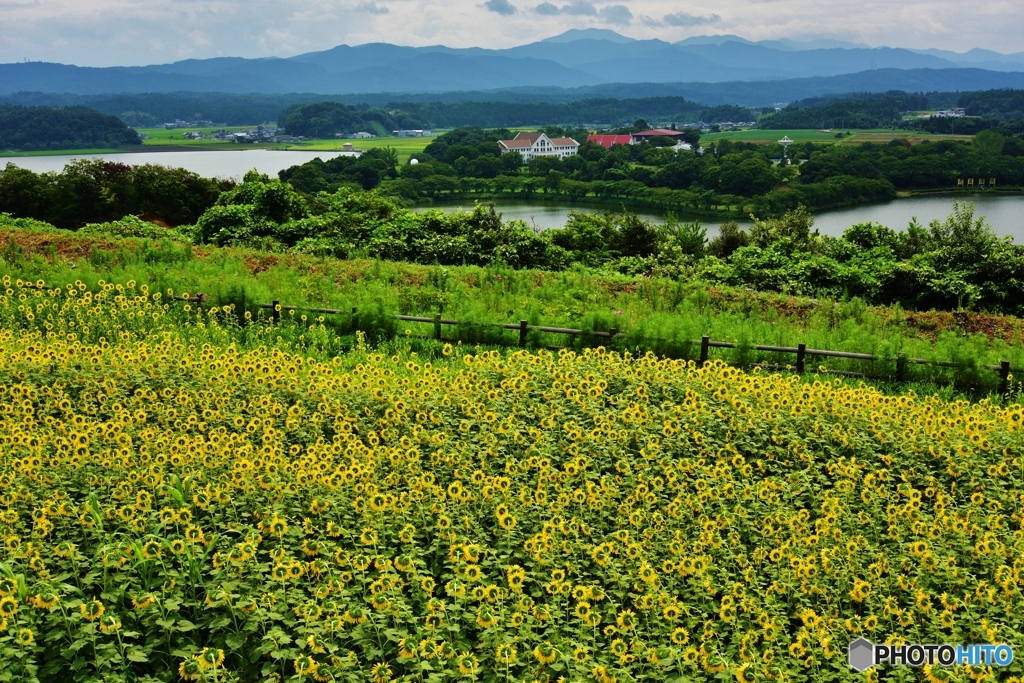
[[523, 324], [437, 326], [901, 367], [276, 310], [801, 350], [1004, 374], [705, 343], [612, 331]]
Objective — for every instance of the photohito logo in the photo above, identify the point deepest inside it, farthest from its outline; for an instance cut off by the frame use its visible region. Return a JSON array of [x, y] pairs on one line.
[[863, 654]]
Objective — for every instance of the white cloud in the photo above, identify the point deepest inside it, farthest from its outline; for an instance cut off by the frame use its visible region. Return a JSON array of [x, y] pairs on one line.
[[580, 8], [686, 19], [372, 8], [616, 14], [125, 32]]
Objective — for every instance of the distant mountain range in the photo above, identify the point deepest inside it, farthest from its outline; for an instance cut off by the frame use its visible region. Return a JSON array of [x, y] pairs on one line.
[[591, 58]]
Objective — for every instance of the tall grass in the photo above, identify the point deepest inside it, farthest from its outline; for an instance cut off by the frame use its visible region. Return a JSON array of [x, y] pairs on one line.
[[664, 316]]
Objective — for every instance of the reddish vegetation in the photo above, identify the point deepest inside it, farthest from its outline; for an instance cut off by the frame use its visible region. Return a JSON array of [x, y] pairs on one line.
[[64, 247], [152, 218], [257, 263]]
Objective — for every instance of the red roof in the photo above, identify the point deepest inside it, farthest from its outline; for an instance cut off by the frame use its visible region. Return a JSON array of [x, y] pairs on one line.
[[607, 141], [658, 132]]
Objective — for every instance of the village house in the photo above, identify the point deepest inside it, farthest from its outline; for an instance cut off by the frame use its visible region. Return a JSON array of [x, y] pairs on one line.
[[533, 145]]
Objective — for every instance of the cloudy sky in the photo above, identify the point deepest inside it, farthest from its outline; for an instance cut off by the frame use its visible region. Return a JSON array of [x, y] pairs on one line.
[[131, 32]]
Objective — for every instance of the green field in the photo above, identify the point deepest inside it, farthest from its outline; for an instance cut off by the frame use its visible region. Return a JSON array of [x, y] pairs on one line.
[[53, 152], [406, 147], [162, 137], [802, 135]]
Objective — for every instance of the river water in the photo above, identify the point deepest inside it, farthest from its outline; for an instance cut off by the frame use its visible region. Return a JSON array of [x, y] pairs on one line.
[[233, 163], [1005, 213]]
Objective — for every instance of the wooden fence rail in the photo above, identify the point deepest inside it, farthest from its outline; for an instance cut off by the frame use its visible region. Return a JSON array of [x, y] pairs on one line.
[[706, 343]]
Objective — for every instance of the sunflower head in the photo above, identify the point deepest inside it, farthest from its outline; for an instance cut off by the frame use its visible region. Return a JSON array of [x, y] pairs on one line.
[[190, 669], [211, 657], [92, 610]]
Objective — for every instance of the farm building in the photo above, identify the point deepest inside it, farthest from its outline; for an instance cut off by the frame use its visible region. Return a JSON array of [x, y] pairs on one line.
[[607, 141], [645, 135], [533, 145]]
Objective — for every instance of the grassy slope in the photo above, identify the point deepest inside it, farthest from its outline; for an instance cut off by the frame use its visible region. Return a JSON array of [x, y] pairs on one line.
[[643, 309]]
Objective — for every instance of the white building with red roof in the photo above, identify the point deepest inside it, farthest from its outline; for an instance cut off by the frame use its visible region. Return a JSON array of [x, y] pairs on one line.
[[533, 145]]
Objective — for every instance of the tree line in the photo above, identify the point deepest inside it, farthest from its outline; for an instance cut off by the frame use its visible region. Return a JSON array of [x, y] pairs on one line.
[[348, 114], [97, 191], [984, 110], [955, 263], [42, 128], [327, 118], [728, 176], [864, 110]]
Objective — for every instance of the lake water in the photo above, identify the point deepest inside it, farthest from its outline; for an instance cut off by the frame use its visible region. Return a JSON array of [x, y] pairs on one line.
[[212, 164], [1005, 213]]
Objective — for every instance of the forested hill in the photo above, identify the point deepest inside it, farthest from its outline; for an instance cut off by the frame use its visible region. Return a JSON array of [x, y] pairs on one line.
[[596, 110], [35, 128], [327, 118], [324, 119], [1005, 105], [862, 110]]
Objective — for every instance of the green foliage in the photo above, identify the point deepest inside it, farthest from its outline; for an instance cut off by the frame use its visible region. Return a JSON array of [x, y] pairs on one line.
[[690, 237], [994, 104], [133, 226], [790, 232], [365, 171], [98, 191], [729, 238], [34, 128], [325, 119], [856, 110], [651, 311]]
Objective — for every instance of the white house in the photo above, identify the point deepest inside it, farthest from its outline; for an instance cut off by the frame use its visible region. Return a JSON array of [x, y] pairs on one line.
[[533, 145]]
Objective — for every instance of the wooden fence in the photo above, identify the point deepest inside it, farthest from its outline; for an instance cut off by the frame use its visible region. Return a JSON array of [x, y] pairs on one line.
[[706, 344]]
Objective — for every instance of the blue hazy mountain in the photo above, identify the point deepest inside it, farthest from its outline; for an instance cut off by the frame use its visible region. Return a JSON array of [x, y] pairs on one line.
[[574, 59]]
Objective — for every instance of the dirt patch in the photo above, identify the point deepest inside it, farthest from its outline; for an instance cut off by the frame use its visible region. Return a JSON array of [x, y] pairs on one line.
[[156, 220], [52, 246], [930, 323], [257, 264]]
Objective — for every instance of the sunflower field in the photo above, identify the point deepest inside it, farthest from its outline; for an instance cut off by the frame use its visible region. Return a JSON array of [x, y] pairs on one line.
[[184, 496]]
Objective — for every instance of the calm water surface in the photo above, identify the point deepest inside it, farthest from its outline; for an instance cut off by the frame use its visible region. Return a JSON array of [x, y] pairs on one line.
[[213, 164], [1005, 213]]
